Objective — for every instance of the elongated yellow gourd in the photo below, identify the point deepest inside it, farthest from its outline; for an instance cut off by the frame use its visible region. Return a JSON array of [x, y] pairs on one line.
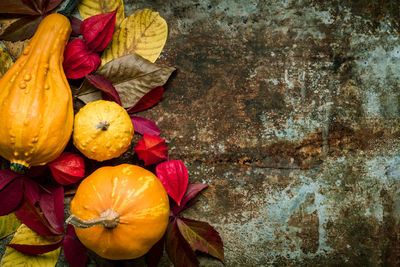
[[36, 113]]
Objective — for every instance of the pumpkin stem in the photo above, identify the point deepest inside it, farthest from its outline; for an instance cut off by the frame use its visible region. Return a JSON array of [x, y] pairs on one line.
[[103, 125], [19, 167], [108, 218]]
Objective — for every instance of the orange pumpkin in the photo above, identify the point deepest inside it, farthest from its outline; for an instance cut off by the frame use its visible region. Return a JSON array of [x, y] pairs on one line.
[[120, 212]]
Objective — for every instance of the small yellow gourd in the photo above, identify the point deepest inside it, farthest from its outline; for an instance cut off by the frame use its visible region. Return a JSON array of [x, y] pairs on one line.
[[36, 112], [102, 130]]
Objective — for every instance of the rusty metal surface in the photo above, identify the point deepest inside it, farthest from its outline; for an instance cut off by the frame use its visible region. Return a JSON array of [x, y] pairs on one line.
[[290, 111]]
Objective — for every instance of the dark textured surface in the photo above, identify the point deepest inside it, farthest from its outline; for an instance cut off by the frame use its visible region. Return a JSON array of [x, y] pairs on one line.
[[289, 110]]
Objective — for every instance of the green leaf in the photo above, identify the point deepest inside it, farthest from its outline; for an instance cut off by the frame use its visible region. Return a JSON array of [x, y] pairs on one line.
[[26, 236], [8, 225]]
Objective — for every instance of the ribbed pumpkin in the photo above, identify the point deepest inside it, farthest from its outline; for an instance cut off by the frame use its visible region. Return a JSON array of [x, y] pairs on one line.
[[36, 113], [125, 210], [102, 130]]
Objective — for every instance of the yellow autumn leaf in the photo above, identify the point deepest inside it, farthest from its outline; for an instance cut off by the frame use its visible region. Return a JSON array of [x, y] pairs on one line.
[[88, 8], [5, 61], [24, 235], [143, 33], [8, 224]]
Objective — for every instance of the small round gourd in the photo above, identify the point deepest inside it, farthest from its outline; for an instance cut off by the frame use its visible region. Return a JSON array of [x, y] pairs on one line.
[[120, 212], [102, 130]]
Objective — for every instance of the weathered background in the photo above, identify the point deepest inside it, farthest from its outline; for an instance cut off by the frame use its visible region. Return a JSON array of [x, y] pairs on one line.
[[289, 110]]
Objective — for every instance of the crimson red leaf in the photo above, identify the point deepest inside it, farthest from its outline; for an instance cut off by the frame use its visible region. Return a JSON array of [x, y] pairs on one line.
[[202, 237], [52, 206], [151, 149], [174, 177], [28, 214], [6, 177], [68, 168], [191, 191], [35, 171], [21, 29], [78, 61], [74, 252], [178, 249], [23, 7], [75, 24], [144, 126], [11, 196], [148, 100], [36, 249], [105, 86], [153, 256], [31, 190], [98, 30]]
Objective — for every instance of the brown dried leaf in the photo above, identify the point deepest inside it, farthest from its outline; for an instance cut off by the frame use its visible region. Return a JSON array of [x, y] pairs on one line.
[[21, 29], [132, 77], [5, 61], [15, 48]]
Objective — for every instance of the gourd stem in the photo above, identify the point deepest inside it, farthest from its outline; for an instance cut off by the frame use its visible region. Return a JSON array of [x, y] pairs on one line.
[[108, 218], [103, 125]]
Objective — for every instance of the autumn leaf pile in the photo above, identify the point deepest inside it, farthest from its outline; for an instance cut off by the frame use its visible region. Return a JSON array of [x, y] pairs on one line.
[[110, 57]]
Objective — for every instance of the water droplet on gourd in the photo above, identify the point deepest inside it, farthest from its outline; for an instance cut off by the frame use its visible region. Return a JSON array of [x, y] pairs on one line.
[[26, 50]]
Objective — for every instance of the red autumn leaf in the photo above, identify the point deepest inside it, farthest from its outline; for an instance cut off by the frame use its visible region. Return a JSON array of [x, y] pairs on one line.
[[22, 7], [11, 196], [31, 189], [52, 206], [144, 126], [105, 86], [98, 30], [68, 168], [148, 100], [36, 171], [6, 177], [78, 61], [28, 215], [174, 177], [191, 191], [75, 25], [75, 253], [178, 249], [151, 149], [36, 249], [154, 255], [202, 237]]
